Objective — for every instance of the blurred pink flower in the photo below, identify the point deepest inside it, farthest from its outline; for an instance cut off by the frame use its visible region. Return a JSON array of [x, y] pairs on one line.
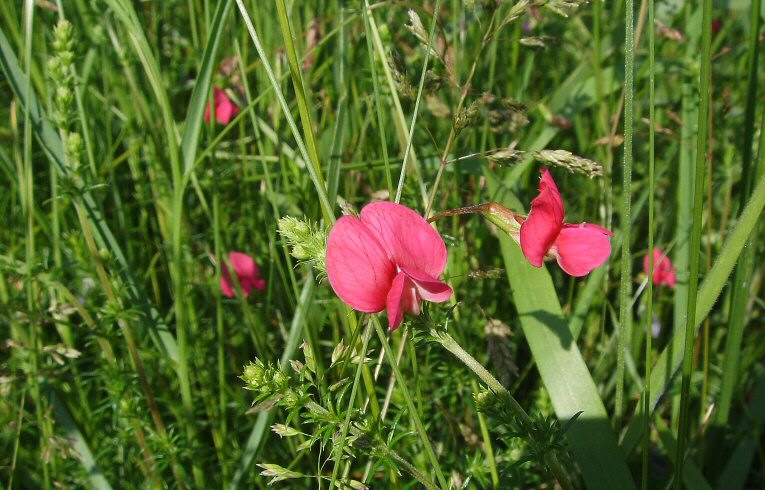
[[579, 249], [664, 273], [247, 273], [389, 258], [225, 108]]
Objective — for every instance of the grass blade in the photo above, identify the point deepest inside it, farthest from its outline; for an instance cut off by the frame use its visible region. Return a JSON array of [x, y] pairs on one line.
[[198, 102], [625, 287], [698, 200]]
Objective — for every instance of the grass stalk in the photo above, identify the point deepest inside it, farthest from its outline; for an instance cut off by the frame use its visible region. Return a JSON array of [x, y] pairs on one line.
[[421, 85], [378, 97], [312, 162], [651, 263], [695, 241], [625, 284]]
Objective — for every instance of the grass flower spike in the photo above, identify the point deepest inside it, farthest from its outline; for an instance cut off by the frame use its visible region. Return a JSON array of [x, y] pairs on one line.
[[664, 273], [225, 108], [578, 248], [388, 258], [247, 273]]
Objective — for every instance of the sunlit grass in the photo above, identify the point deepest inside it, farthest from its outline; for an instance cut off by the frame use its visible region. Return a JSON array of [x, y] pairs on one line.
[[122, 360]]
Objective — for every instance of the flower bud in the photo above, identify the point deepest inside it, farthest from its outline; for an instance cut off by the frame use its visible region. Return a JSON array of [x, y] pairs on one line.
[[62, 36]]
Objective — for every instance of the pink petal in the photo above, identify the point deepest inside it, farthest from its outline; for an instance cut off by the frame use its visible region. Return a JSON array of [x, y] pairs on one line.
[[663, 271], [225, 108], [207, 113], [429, 288], [402, 298], [358, 267], [670, 278], [582, 248], [409, 240], [545, 220], [247, 273]]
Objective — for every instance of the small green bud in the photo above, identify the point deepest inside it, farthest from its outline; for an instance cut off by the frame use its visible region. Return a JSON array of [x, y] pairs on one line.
[[300, 252], [253, 375], [104, 254], [307, 243], [291, 400], [279, 379], [484, 400], [62, 36], [74, 145], [66, 58], [54, 67], [63, 98]]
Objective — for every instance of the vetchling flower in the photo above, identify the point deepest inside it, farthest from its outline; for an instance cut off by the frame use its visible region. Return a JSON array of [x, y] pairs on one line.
[[247, 273], [389, 258], [579, 248], [225, 108], [664, 273]]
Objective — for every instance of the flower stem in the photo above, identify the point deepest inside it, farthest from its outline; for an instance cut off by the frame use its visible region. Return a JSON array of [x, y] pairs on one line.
[[410, 403], [448, 342]]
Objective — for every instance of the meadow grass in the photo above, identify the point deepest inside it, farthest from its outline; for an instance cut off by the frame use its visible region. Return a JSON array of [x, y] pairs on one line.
[[123, 364]]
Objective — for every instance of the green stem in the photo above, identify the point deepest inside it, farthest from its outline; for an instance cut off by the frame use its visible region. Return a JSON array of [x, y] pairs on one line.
[[453, 132], [408, 150], [389, 354], [351, 401], [378, 97], [448, 343], [625, 289], [651, 265], [409, 467], [487, 443], [695, 245]]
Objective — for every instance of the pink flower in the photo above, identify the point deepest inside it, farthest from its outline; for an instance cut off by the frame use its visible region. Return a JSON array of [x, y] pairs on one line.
[[579, 249], [664, 273], [390, 258], [225, 108], [247, 273]]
